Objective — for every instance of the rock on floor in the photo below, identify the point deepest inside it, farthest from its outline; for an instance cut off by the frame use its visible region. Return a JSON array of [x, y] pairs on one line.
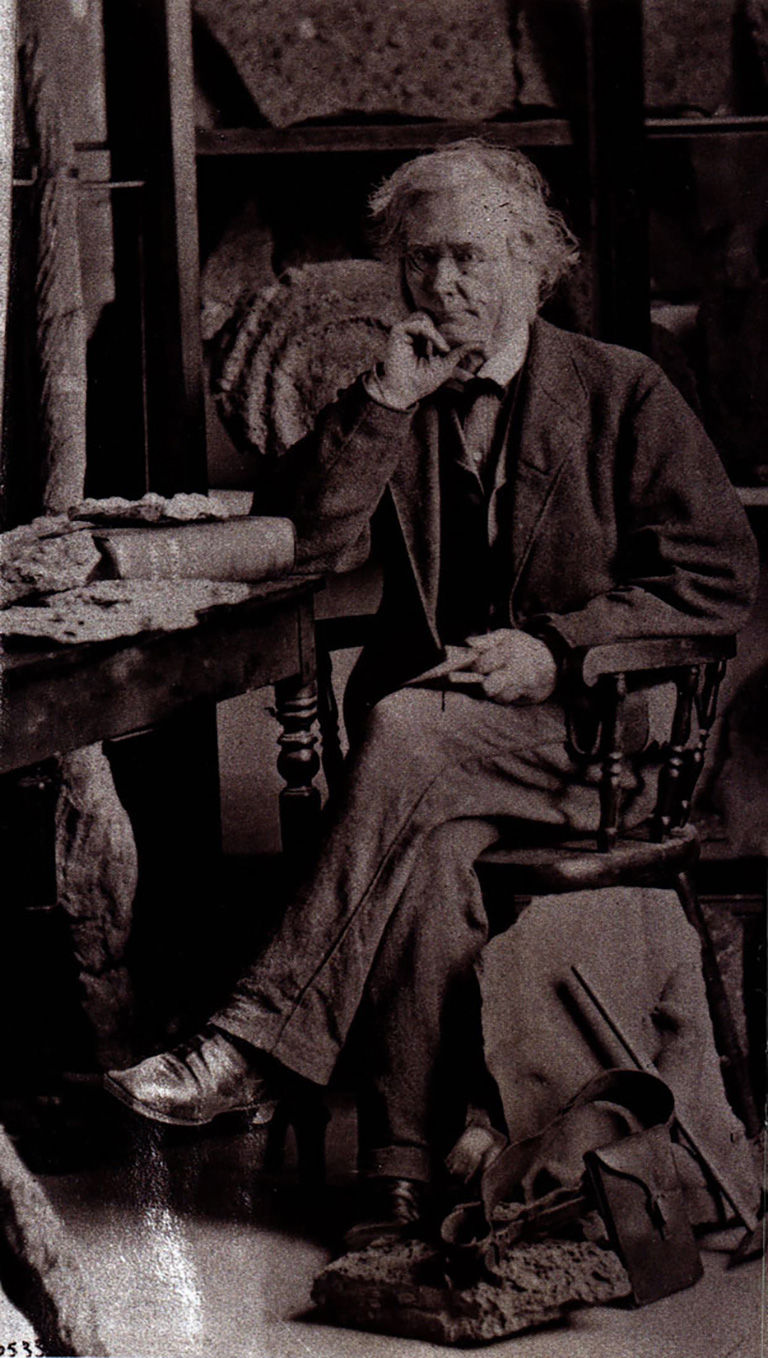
[[392, 1288]]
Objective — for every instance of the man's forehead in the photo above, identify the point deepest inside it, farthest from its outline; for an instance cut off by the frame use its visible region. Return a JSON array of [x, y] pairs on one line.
[[472, 207]]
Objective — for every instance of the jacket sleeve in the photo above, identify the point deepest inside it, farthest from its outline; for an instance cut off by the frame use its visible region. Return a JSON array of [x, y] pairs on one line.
[[686, 560], [331, 482]]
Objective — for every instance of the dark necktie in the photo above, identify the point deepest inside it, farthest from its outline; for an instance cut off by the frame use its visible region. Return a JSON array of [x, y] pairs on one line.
[[472, 411], [476, 404]]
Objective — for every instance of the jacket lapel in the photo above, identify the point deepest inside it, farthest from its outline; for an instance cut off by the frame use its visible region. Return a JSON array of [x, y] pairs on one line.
[[553, 418]]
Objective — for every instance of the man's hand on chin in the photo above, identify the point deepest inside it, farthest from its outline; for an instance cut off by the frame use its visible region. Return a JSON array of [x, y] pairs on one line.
[[417, 361], [517, 667]]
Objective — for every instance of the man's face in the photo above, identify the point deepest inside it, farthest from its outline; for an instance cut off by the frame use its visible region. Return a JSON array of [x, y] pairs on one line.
[[459, 268]]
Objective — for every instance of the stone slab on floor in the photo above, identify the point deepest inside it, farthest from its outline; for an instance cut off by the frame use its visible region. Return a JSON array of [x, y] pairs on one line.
[[390, 1288]]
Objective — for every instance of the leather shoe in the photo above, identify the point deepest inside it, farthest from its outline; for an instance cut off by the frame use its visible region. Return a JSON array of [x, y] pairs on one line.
[[393, 1210], [196, 1082]]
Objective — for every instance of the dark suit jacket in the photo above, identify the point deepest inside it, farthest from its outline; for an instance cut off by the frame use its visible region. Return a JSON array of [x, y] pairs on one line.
[[624, 522]]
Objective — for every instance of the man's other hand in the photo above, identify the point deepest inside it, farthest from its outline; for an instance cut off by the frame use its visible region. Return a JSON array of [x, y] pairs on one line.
[[518, 668], [417, 361]]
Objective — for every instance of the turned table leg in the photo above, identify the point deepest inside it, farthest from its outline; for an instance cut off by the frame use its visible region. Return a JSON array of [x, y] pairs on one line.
[[298, 762]]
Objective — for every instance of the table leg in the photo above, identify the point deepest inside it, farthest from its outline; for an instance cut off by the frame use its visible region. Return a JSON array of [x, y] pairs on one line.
[[298, 763]]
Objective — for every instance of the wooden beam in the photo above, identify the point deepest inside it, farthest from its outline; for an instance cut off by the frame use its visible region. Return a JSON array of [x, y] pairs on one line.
[[7, 86], [690, 129], [618, 171], [148, 53], [367, 137]]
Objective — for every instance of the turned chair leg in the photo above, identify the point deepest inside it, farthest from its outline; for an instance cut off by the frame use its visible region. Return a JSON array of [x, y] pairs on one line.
[[734, 1063]]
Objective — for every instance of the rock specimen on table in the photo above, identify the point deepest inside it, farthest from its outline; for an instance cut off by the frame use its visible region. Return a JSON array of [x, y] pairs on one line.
[[394, 1288], [185, 507], [111, 609], [44, 556], [56, 552], [295, 345], [323, 58]]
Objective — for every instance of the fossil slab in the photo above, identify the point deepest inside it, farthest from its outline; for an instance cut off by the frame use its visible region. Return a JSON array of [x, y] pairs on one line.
[[324, 58], [391, 1288]]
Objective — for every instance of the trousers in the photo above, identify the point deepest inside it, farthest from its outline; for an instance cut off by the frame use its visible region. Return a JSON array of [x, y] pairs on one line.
[[384, 934]]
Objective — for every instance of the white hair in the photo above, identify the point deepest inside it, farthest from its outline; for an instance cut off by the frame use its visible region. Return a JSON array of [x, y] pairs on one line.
[[535, 229]]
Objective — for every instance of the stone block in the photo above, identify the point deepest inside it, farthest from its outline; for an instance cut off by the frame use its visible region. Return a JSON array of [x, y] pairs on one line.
[[43, 557], [687, 53], [325, 58], [394, 1288]]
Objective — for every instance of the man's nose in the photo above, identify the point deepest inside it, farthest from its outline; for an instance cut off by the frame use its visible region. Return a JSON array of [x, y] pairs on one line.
[[445, 275]]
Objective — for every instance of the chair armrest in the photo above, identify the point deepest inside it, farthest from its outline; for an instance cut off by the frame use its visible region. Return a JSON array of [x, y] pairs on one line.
[[591, 663]]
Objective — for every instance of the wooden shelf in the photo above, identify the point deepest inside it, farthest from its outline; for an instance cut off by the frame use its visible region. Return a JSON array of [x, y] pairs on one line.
[[678, 129], [753, 496], [245, 141], [366, 137]]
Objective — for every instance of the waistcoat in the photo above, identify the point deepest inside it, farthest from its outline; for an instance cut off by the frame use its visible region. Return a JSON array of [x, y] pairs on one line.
[[475, 572]]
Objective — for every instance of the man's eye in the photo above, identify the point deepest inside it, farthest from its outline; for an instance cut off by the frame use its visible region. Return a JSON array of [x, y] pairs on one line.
[[467, 256], [423, 259]]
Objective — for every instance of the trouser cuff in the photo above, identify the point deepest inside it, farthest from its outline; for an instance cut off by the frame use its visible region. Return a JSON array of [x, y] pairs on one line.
[[396, 1162], [303, 1061]]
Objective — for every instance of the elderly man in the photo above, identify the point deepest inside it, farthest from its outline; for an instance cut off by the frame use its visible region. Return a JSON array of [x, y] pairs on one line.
[[530, 491]]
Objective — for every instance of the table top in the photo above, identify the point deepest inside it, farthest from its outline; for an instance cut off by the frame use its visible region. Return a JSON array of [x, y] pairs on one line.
[[181, 606], [57, 697]]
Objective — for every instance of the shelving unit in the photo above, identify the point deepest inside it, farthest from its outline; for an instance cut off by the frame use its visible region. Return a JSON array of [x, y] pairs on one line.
[[370, 137], [157, 160], [595, 133], [725, 125]]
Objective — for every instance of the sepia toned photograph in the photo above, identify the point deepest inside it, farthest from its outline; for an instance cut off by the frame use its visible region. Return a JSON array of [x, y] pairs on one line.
[[384, 678]]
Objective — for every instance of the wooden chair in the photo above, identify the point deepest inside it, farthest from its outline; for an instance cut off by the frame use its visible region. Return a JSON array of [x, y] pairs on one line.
[[661, 852]]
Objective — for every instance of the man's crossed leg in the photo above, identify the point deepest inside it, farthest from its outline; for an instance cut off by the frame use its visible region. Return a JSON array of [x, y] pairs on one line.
[[385, 931]]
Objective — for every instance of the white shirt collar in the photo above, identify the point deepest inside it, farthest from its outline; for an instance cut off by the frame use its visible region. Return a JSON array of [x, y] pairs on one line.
[[506, 363]]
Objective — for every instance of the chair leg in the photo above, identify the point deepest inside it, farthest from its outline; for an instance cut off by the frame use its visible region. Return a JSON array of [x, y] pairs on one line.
[[735, 1067], [309, 1125], [328, 718], [309, 1118]]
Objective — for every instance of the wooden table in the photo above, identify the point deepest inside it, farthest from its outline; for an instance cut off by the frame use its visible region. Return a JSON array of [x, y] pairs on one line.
[[59, 698]]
